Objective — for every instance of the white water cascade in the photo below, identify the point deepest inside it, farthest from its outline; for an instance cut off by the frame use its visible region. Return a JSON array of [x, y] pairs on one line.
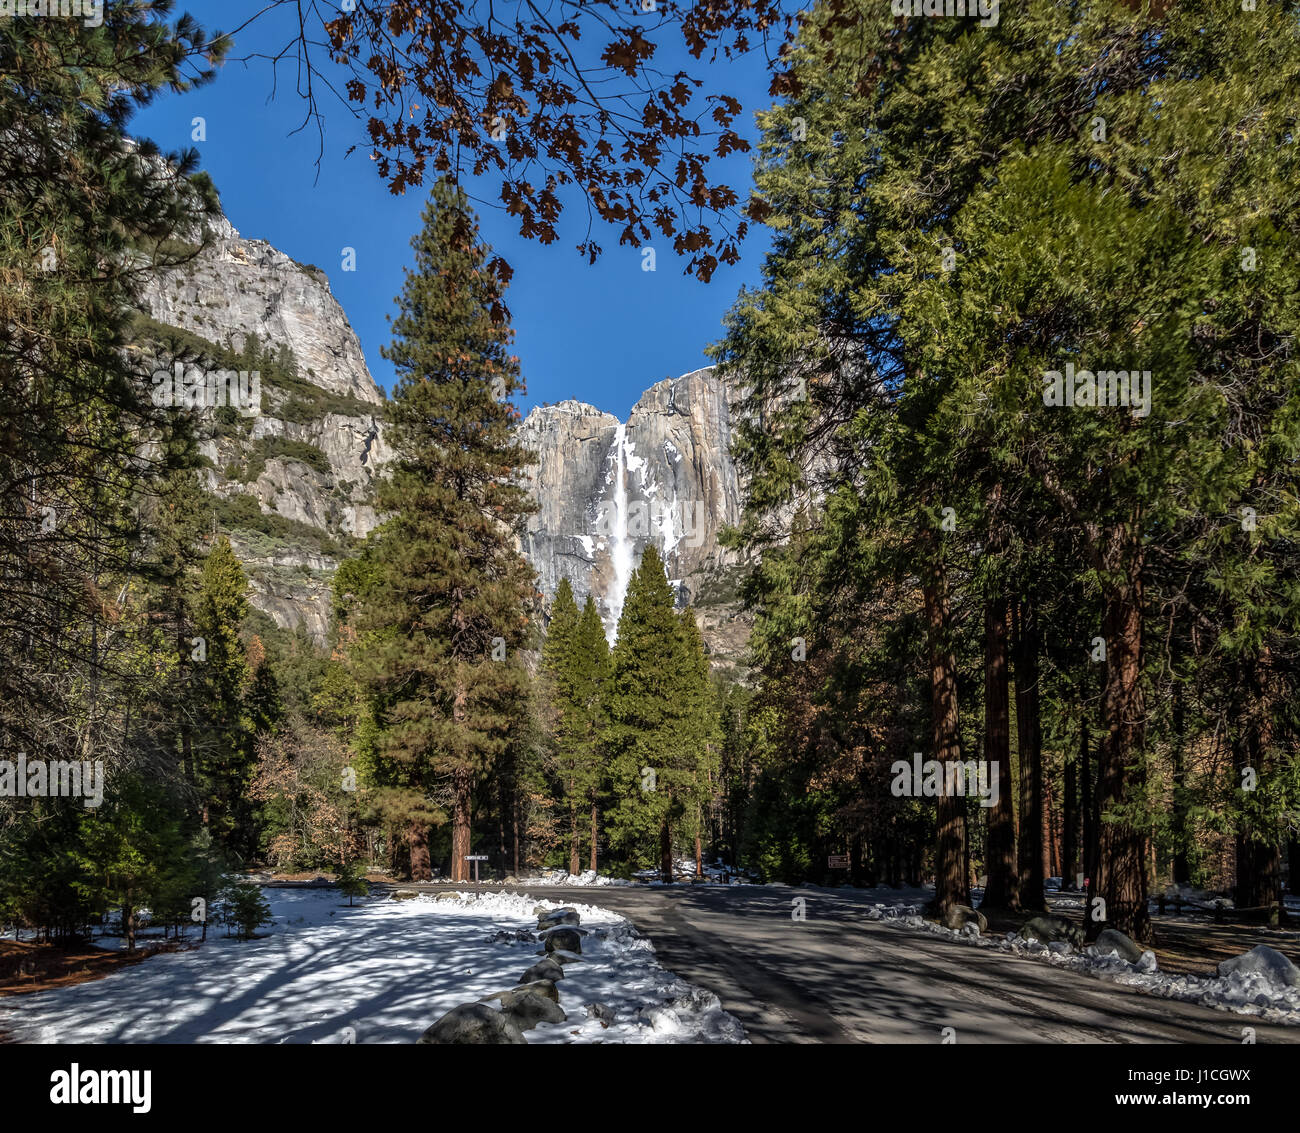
[[621, 554]]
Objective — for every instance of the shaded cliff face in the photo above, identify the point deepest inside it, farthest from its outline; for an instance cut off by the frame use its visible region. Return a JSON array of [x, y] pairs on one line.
[[606, 489]]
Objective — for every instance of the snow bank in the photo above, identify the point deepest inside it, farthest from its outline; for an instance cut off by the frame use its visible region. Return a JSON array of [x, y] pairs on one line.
[[1249, 988], [380, 972]]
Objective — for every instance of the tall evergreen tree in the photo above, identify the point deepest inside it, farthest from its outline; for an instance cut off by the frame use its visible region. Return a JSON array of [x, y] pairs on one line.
[[447, 610], [656, 719], [221, 678]]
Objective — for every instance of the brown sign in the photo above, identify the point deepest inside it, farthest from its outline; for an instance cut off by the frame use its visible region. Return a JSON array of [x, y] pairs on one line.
[[837, 861]]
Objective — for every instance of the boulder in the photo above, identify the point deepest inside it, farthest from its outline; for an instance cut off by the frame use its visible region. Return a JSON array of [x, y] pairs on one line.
[[473, 1024], [548, 969], [565, 957], [557, 917], [1266, 962], [1112, 940], [959, 916], [404, 894], [1047, 929], [566, 938], [600, 1012], [532, 1003]]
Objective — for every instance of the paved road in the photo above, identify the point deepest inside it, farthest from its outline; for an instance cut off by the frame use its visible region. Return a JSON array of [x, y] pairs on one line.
[[839, 978]]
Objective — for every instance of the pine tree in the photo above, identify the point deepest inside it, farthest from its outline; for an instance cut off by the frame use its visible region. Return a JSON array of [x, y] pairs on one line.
[[590, 689], [224, 753], [653, 759], [441, 623]]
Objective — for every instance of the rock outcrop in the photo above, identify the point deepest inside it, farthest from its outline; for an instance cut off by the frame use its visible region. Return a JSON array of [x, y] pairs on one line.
[[606, 489]]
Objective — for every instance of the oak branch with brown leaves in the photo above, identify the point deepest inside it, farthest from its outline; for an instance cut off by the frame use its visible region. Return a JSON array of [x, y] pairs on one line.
[[563, 99]]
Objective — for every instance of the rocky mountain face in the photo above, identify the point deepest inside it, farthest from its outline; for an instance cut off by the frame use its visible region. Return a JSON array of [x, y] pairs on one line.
[[606, 489], [295, 480]]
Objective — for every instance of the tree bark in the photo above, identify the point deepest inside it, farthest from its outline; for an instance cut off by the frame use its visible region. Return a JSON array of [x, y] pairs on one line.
[[1029, 746], [1070, 822], [593, 835], [1259, 855], [1001, 891], [575, 843], [462, 786], [1121, 879], [417, 839], [1182, 871], [665, 852], [950, 884]]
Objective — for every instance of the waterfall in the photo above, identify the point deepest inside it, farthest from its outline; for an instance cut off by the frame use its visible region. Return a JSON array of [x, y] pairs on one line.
[[621, 555]]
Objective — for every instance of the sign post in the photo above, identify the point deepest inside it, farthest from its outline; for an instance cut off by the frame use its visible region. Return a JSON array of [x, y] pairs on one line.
[[476, 858], [837, 861]]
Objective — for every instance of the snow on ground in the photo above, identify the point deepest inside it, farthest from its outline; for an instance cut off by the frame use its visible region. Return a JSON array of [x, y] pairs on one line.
[[1245, 992], [564, 877], [385, 969]]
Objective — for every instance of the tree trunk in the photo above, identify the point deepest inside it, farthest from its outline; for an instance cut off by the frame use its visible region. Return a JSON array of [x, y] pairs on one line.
[[575, 841], [417, 839], [665, 852], [950, 886], [1070, 822], [1089, 807], [462, 786], [1259, 856], [1030, 748], [593, 835], [1051, 832], [1182, 871], [1121, 849], [1293, 865], [1001, 891]]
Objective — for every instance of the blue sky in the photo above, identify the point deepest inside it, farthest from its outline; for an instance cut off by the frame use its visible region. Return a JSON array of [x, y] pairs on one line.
[[601, 333]]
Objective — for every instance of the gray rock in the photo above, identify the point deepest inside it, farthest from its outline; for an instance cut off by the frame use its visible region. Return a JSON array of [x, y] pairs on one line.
[[530, 1004], [566, 938], [958, 916], [473, 1024], [557, 917], [1112, 940], [1047, 929], [565, 957], [1264, 961], [600, 1012], [548, 969], [404, 894]]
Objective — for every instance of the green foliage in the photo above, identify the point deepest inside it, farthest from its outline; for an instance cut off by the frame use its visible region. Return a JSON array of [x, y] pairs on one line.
[[245, 908], [661, 719], [242, 513]]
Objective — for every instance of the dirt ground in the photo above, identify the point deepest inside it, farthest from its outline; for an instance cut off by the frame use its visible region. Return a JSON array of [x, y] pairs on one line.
[[27, 966]]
